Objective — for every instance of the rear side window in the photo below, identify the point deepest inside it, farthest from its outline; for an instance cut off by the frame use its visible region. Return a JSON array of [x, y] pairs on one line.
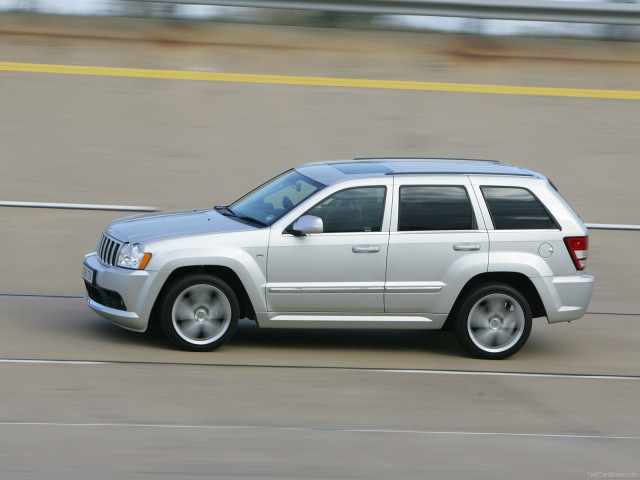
[[514, 208], [437, 207]]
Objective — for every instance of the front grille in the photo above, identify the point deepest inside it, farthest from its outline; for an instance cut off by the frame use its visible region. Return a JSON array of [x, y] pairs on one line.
[[108, 249]]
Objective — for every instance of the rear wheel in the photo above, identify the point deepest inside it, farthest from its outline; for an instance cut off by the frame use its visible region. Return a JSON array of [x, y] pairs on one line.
[[493, 322], [199, 313]]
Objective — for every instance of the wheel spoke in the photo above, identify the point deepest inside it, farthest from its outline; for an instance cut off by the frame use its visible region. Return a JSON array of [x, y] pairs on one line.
[[190, 328], [502, 337], [186, 300], [477, 319], [485, 336], [209, 329], [203, 296], [201, 331], [495, 306], [183, 312]]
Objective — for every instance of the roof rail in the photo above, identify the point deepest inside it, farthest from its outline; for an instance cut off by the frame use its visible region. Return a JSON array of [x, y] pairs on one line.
[[463, 173], [427, 158]]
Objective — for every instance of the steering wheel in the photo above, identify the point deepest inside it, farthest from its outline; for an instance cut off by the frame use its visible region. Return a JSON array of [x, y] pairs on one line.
[[287, 203]]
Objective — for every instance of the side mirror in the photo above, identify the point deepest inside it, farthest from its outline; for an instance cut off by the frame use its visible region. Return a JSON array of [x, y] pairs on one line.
[[307, 224]]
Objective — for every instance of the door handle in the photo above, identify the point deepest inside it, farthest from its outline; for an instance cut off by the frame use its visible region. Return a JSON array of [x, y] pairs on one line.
[[466, 247], [365, 248]]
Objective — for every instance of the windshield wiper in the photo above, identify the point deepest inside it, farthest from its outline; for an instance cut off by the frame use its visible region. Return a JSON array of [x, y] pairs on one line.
[[226, 211], [250, 219]]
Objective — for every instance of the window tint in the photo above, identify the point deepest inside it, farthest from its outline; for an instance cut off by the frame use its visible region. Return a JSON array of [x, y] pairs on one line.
[[516, 209], [353, 210], [434, 208]]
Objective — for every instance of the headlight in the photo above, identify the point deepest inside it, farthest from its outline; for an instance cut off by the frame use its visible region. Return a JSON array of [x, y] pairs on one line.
[[133, 256]]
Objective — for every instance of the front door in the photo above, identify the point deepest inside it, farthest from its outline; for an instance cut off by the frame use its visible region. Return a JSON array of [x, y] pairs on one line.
[[341, 269]]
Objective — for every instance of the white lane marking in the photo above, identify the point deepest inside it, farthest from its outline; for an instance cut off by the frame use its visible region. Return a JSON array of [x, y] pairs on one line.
[[78, 206], [38, 295], [130, 208], [320, 429], [512, 374], [56, 362], [578, 376]]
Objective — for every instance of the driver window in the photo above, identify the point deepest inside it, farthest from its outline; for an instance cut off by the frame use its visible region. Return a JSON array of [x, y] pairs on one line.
[[352, 210]]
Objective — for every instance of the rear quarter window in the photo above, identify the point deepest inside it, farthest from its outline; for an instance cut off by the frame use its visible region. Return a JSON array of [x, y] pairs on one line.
[[514, 208]]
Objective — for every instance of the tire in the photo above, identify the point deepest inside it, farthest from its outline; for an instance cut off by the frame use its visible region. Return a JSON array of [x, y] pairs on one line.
[[199, 313], [493, 321]]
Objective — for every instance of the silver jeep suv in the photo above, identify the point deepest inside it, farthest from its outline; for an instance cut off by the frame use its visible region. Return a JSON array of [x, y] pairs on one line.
[[479, 246]]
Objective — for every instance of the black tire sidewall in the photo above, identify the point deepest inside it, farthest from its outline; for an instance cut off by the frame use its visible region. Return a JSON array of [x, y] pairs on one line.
[[462, 315], [172, 294]]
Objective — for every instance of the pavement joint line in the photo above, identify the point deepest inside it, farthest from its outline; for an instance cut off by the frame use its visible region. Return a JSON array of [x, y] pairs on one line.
[[611, 313], [322, 429], [578, 376], [318, 81], [513, 374]]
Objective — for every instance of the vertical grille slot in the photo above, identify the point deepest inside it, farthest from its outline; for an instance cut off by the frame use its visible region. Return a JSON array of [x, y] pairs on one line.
[[107, 257], [108, 249], [114, 250], [101, 245]]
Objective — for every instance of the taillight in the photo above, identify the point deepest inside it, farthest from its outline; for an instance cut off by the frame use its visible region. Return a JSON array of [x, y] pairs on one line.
[[578, 247]]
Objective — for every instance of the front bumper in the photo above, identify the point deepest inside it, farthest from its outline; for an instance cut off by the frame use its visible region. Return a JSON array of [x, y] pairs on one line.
[[137, 289], [129, 320]]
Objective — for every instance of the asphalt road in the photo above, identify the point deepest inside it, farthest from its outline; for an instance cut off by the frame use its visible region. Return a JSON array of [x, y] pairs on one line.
[[84, 399]]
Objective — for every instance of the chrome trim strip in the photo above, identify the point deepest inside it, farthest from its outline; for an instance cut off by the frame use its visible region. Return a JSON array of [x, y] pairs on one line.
[[388, 289], [326, 289], [350, 318], [405, 289]]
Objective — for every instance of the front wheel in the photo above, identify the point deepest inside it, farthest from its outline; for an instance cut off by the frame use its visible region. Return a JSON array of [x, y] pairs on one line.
[[493, 322], [199, 313]]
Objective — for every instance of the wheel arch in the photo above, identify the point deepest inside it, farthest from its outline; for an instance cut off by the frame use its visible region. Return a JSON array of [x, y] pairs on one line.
[[519, 281], [224, 273]]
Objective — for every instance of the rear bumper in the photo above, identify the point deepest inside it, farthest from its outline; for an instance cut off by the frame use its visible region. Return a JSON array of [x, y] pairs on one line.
[[565, 298]]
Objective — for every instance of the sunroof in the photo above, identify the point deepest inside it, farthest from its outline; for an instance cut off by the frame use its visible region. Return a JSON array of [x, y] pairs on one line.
[[363, 168]]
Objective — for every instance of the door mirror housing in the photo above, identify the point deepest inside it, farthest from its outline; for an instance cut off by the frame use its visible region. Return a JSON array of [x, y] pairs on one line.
[[306, 225]]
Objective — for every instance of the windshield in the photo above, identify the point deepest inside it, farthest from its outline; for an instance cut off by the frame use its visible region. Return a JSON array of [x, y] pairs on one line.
[[277, 197]]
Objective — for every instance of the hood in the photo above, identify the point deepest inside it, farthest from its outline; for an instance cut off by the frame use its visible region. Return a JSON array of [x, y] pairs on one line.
[[155, 226]]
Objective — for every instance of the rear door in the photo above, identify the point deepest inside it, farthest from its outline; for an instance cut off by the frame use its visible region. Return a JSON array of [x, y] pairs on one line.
[[438, 241]]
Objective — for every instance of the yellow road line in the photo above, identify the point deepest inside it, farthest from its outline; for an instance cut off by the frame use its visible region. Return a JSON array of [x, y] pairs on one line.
[[318, 81]]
